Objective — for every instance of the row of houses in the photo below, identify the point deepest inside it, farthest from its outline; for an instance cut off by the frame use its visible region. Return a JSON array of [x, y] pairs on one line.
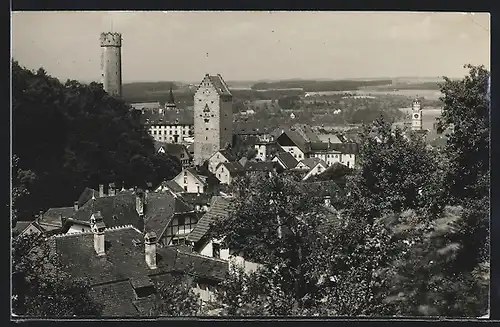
[[124, 241]]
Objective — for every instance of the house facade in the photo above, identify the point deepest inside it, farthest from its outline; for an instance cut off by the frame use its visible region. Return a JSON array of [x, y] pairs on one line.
[[179, 151], [219, 157]]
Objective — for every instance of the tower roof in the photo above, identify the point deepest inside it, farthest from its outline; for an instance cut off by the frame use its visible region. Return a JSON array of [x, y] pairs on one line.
[[171, 100]]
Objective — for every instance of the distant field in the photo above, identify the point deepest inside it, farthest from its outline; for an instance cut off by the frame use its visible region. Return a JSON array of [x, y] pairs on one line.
[[427, 94]]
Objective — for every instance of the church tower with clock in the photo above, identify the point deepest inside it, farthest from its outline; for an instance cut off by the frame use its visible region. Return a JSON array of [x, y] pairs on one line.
[[416, 115], [213, 117]]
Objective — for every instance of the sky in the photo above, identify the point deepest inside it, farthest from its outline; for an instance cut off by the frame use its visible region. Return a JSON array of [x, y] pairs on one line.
[[184, 46]]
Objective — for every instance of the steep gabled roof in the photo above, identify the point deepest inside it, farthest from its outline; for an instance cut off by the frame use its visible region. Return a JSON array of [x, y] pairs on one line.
[[52, 217], [287, 159], [116, 211], [172, 185], [114, 276], [160, 209], [219, 84], [346, 148], [171, 148], [196, 198], [219, 208], [234, 168], [20, 226], [290, 137], [168, 117], [312, 162], [323, 147], [226, 153], [86, 195], [260, 166]]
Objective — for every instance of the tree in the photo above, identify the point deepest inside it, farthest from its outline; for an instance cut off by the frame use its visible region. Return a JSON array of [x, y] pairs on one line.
[[41, 288], [176, 298], [21, 181], [428, 276], [466, 110], [397, 172], [275, 221], [73, 136]]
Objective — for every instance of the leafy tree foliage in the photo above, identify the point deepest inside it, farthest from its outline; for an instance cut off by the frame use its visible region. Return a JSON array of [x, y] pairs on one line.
[[72, 136], [466, 110], [176, 298], [40, 288], [396, 172]]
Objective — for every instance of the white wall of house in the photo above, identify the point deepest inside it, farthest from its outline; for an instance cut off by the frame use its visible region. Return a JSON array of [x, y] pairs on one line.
[[215, 160], [78, 228], [166, 132], [189, 182], [261, 152], [329, 157], [223, 175], [295, 152], [205, 291], [30, 230], [179, 231], [348, 159]]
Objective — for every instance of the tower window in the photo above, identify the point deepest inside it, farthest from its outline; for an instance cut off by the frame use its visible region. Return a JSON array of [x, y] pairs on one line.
[[206, 138]]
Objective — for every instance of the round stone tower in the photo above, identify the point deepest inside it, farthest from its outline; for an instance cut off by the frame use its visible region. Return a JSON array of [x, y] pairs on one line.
[[111, 63]]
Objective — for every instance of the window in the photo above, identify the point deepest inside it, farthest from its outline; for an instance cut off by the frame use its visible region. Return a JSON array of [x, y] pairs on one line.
[[170, 132], [181, 221], [206, 129], [185, 180], [185, 173], [182, 155], [216, 250], [206, 138], [185, 188]]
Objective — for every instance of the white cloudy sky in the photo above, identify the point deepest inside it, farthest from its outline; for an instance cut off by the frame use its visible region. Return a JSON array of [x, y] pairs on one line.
[[254, 45]]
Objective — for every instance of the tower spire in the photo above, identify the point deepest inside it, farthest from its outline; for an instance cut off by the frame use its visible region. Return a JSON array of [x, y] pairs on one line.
[[171, 101]]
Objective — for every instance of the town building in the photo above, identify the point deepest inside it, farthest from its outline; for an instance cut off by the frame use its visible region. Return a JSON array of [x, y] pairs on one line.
[[125, 268], [170, 126], [197, 181], [286, 160], [213, 118], [416, 115], [226, 171], [218, 157], [178, 151]]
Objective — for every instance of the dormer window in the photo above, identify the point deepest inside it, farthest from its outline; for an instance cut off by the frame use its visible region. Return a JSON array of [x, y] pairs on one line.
[[143, 287]]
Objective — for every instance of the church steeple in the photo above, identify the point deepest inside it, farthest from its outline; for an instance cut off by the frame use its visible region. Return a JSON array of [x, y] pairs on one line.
[[171, 101]]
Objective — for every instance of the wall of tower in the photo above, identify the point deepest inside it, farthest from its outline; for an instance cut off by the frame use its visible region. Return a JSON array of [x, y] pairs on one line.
[[416, 116], [111, 69], [212, 122]]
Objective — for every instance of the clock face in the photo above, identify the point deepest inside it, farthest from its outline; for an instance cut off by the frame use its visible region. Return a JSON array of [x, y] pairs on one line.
[[207, 92], [415, 116]]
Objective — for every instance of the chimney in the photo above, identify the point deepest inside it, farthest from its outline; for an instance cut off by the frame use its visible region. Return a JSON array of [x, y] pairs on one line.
[[139, 202], [123, 186], [75, 205], [40, 215], [150, 249], [97, 226], [63, 220], [101, 190], [111, 189]]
